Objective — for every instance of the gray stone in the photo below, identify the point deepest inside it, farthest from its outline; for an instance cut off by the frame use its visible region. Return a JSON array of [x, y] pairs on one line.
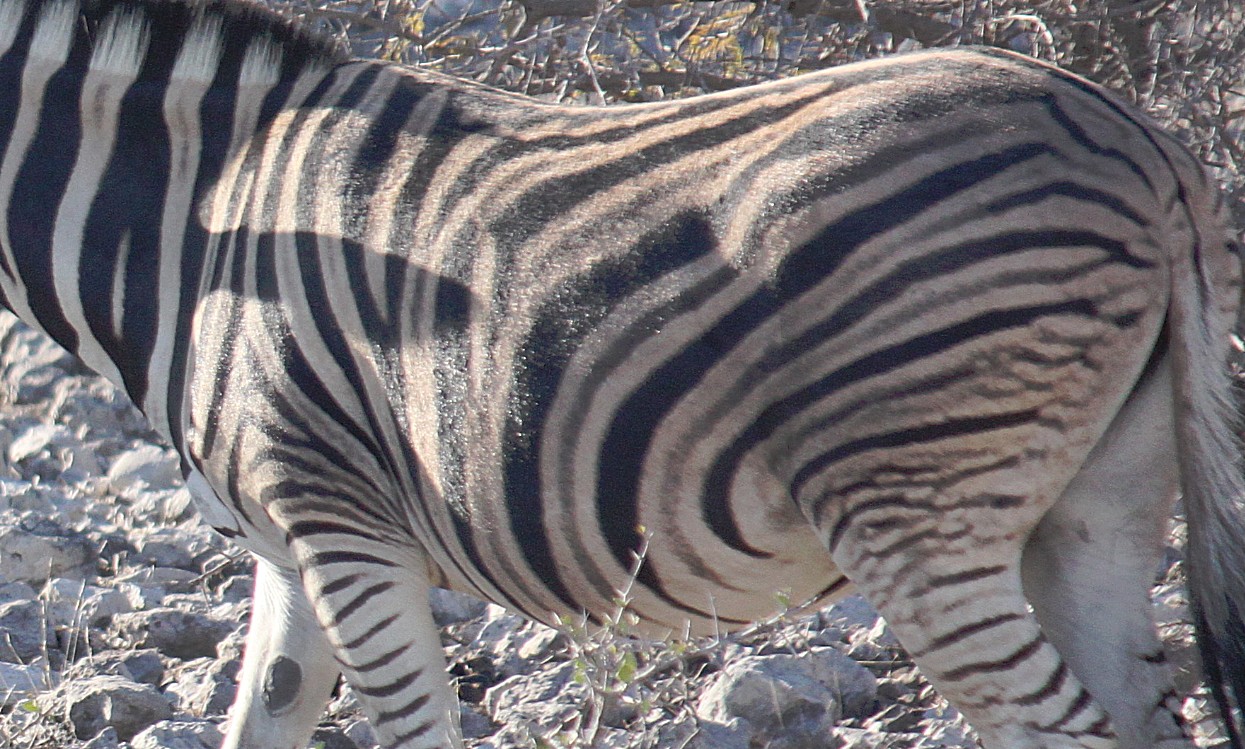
[[614, 738], [857, 738], [43, 502], [361, 733], [232, 646], [879, 634], [237, 589], [515, 645], [142, 666], [855, 685], [475, 725], [90, 705], [330, 737], [16, 591], [74, 603], [155, 583], [24, 634], [790, 700], [24, 351], [15, 493], [540, 643], [496, 625], [166, 547], [174, 632], [179, 734], [735, 733], [165, 507], [945, 726], [544, 700], [450, 607], [843, 617], [21, 682], [35, 550], [105, 739], [205, 686]]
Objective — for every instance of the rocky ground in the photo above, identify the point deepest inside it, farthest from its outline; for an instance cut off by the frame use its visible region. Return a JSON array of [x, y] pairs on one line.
[[122, 618]]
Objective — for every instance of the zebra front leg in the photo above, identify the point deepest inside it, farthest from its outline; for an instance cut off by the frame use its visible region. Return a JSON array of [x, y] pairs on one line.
[[372, 600], [288, 669]]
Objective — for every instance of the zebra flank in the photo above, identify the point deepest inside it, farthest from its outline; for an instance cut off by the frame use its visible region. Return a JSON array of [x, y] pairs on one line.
[[951, 326]]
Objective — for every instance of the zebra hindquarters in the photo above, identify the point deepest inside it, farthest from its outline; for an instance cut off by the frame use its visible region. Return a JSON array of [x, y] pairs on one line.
[[937, 473]]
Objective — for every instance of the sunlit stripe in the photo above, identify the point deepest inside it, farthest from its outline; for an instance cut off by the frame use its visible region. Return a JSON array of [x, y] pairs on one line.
[[48, 52], [114, 65]]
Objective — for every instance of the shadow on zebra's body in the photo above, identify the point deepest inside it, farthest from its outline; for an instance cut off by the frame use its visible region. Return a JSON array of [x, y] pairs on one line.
[[950, 325]]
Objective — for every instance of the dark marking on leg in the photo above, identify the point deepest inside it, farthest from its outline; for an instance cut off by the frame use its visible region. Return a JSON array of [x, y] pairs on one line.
[[281, 685]]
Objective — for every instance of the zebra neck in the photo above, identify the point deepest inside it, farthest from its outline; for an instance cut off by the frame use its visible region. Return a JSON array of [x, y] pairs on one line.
[[118, 120]]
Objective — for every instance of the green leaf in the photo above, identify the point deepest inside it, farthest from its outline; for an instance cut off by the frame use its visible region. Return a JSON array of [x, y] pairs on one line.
[[627, 668]]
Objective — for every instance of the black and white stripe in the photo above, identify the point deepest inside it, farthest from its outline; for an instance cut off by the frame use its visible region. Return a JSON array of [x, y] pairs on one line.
[[946, 322]]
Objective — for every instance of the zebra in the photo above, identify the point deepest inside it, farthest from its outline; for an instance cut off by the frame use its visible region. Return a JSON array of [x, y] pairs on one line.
[[951, 326]]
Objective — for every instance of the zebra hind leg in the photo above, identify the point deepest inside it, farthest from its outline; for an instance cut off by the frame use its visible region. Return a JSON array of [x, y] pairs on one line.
[[288, 669], [1089, 566], [944, 569], [371, 597]]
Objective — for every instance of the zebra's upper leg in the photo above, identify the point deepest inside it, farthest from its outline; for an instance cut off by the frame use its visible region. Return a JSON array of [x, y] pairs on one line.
[[369, 590], [948, 582], [288, 669], [1089, 566]]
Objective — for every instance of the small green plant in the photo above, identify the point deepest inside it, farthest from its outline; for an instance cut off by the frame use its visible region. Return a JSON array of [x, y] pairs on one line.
[[606, 658], [33, 722], [628, 678]]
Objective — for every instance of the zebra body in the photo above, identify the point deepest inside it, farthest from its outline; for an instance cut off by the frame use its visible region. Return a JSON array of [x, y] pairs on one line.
[[951, 325]]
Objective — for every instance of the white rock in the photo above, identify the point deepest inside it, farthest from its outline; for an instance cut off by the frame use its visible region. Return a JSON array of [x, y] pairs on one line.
[[105, 739], [544, 700], [21, 682], [92, 704], [851, 611], [734, 734], [796, 699], [166, 547], [74, 603], [205, 686], [16, 591], [14, 487], [179, 734], [35, 551], [163, 507], [35, 439], [144, 467]]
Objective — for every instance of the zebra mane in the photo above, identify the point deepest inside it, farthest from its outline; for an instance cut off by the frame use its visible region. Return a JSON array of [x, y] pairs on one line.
[[190, 39]]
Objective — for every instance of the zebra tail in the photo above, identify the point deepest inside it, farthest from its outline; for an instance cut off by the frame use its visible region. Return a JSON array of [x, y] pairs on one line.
[[1213, 480]]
